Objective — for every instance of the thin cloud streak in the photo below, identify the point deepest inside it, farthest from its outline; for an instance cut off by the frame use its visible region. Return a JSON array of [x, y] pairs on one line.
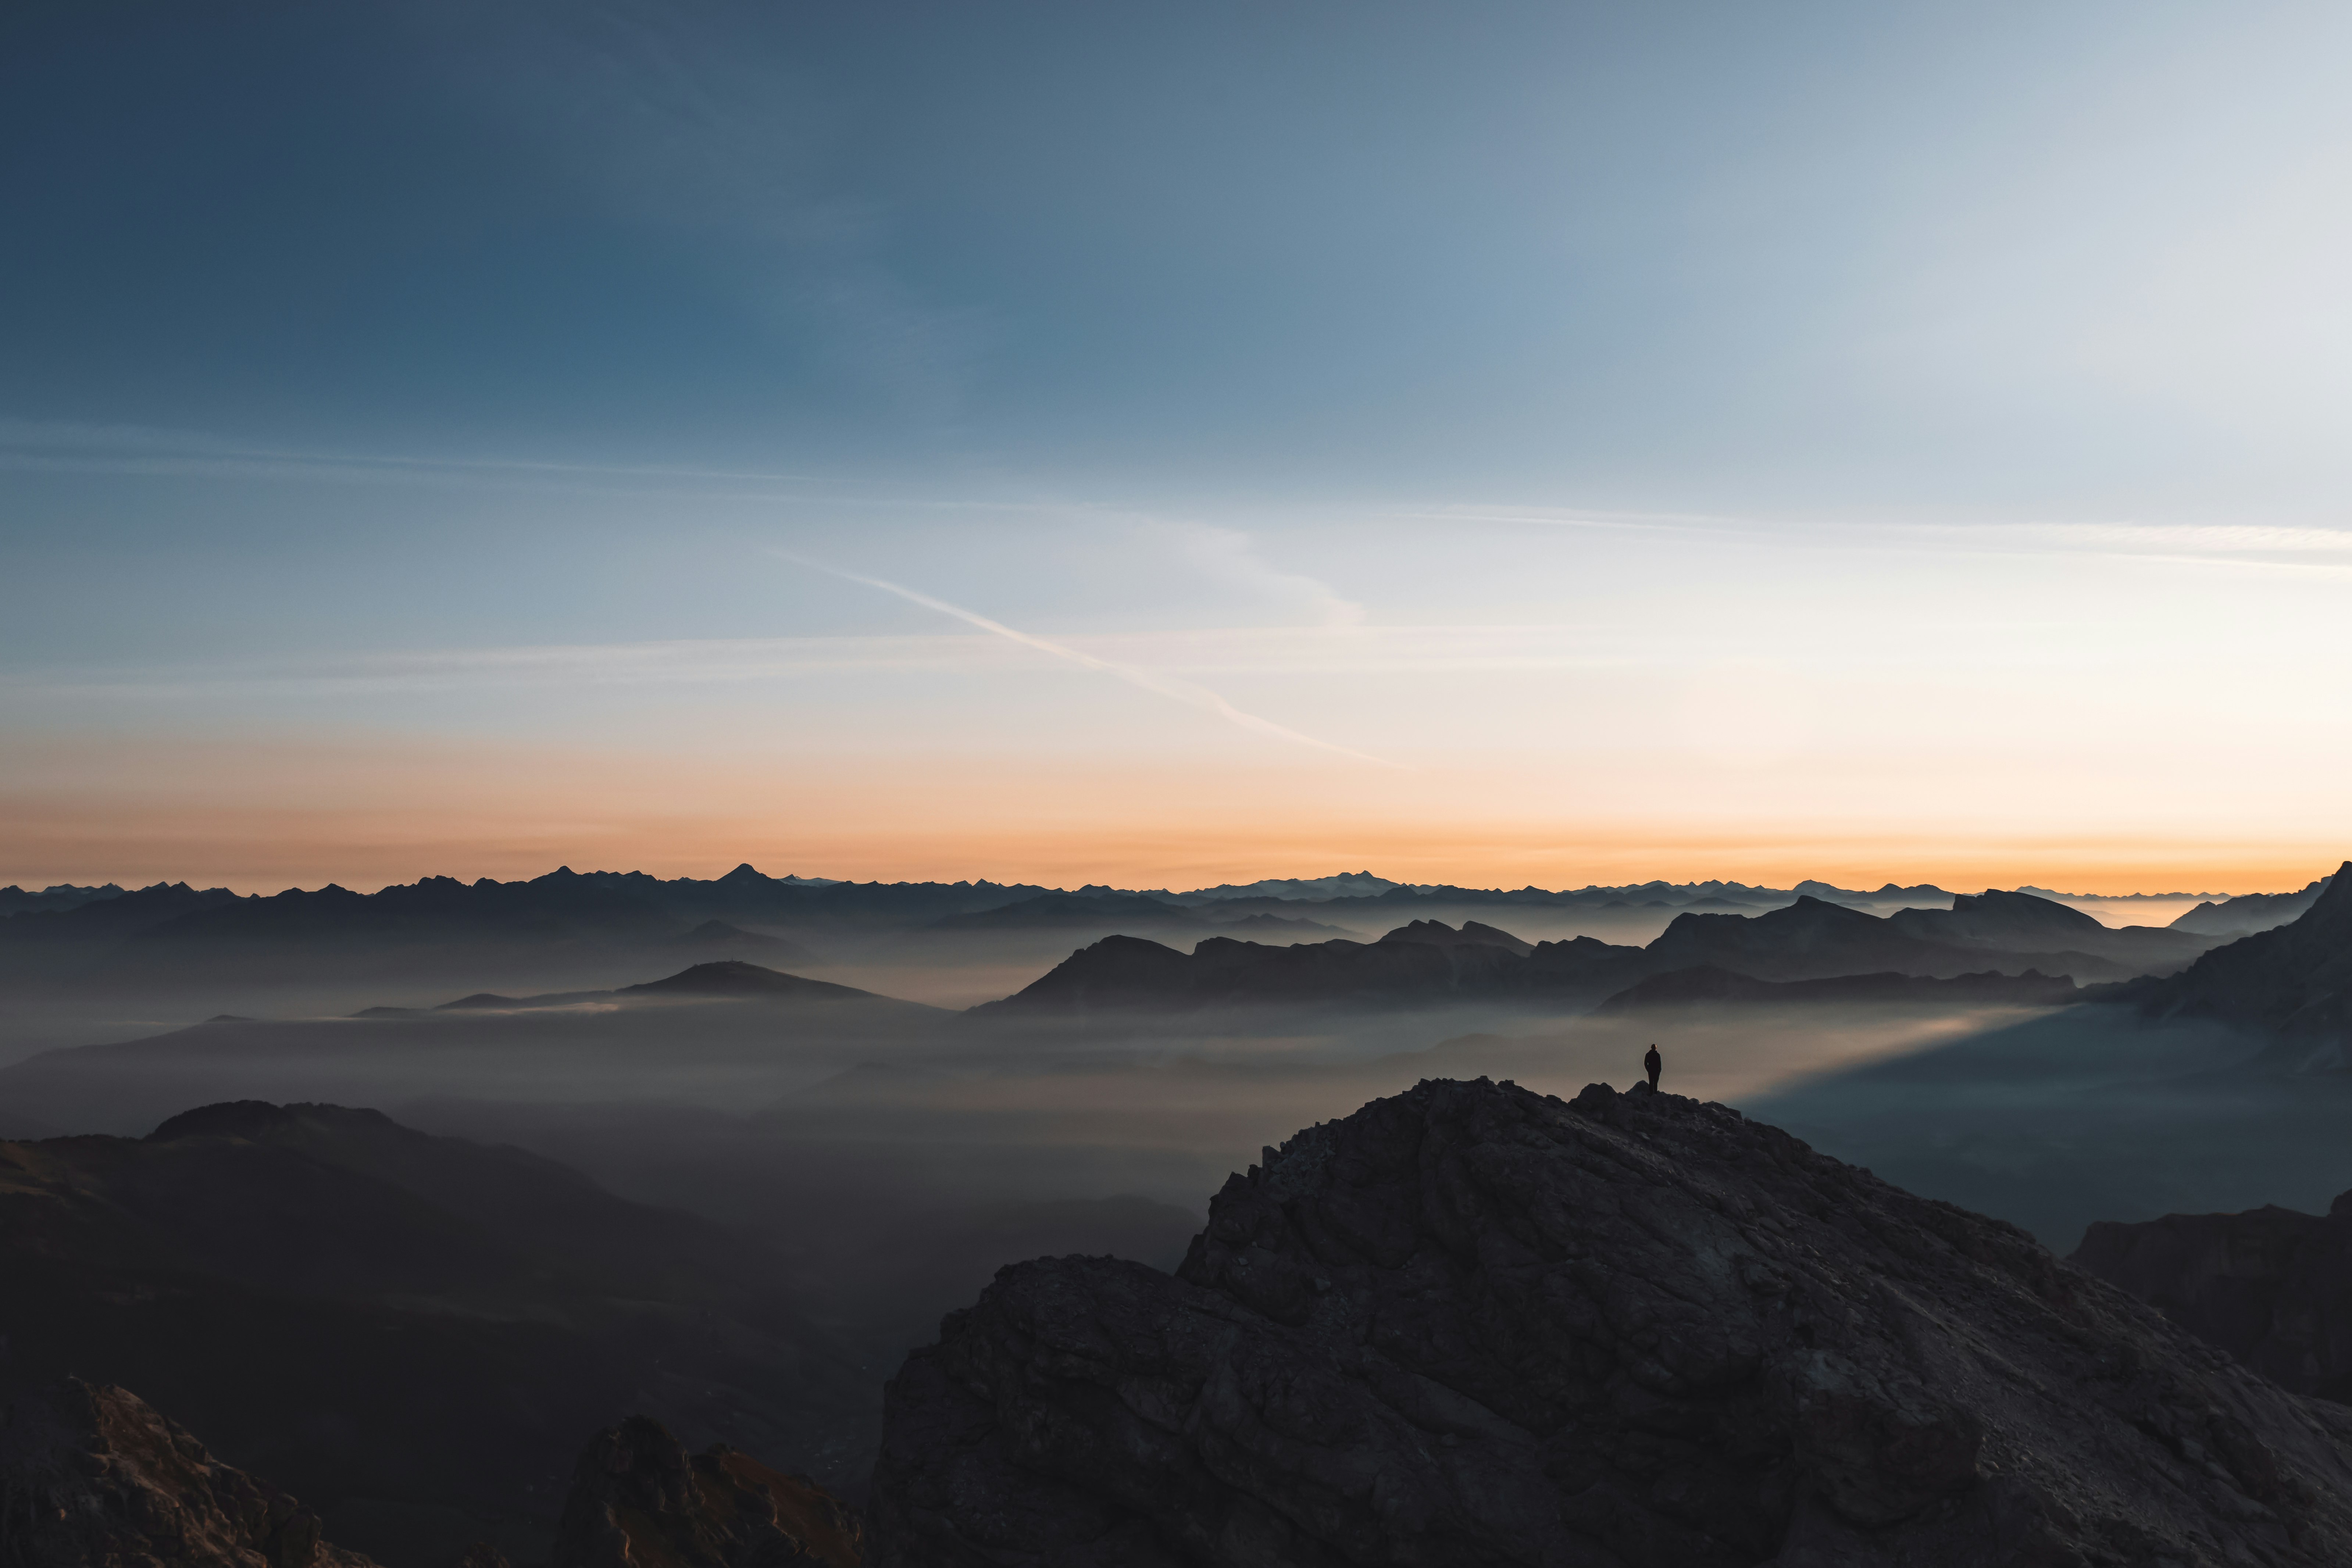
[[1183, 691]]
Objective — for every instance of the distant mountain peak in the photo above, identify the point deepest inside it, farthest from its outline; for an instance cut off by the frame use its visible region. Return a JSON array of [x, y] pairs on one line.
[[734, 977], [255, 1119]]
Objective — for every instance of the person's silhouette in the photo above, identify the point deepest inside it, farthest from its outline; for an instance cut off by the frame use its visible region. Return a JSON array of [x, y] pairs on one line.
[[1651, 1064]]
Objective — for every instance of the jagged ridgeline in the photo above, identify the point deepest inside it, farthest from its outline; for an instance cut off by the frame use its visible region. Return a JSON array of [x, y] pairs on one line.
[[1473, 1324]]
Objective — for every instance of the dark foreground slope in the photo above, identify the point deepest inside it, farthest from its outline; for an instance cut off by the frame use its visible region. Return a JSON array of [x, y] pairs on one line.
[[92, 1477], [411, 1333], [1475, 1325], [2272, 1285]]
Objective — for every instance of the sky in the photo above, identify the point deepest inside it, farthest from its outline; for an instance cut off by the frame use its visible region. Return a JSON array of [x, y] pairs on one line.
[[1165, 445]]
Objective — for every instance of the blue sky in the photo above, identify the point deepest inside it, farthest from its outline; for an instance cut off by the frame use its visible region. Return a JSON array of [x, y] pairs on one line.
[[1653, 352]]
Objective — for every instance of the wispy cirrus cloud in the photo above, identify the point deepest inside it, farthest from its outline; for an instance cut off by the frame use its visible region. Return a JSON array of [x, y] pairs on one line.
[[62, 446], [1189, 693]]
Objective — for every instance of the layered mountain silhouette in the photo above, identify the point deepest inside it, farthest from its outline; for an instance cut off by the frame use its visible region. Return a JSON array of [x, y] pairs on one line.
[[2293, 982], [1473, 1324], [727, 1030], [2250, 912], [1097, 910], [112, 919], [720, 940], [1425, 960], [172, 931], [15, 901], [1062, 911], [1345, 884], [1814, 938], [733, 977], [2040, 944], [567, 923], [411, 1333]]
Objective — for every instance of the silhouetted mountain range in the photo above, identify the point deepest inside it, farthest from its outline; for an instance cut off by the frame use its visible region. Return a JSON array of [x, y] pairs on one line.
[[720, 940], [1345, 884], [734, 978], [2250, 912], [1813, 939], [609, 906], [720, 1031], [172, 930], [1423, 962], [2293, 982], [1473, 1324], [411, 1333], [112, 919], [1996, 933], [1059, 912], [59, 896]]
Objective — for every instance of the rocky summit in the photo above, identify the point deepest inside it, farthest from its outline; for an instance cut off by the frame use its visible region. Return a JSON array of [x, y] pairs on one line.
[[92, 1477], [1474, 1325]]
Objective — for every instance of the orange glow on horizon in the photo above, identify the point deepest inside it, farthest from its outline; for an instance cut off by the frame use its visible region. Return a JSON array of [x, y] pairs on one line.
[[1095, 828]]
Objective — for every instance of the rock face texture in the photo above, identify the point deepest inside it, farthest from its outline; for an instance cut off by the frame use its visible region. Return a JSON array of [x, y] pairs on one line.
[[92, 1475], [2272, 1285], [638, 1497], [1472, 1325]]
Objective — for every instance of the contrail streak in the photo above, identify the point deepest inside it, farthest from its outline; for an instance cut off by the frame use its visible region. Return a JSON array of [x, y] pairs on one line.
[[1169, 686]]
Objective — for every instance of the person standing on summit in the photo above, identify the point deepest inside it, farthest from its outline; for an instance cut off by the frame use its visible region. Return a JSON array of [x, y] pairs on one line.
[[1650, 1063]]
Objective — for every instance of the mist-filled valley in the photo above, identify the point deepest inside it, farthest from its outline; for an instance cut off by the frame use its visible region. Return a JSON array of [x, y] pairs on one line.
[[861, 1102], [1325, 785]]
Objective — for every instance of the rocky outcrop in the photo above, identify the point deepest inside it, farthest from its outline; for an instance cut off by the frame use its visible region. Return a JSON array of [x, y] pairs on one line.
[[639, 1500], [91, 1476], [1429, 962], [1476, 1325], [2272, 1285]]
